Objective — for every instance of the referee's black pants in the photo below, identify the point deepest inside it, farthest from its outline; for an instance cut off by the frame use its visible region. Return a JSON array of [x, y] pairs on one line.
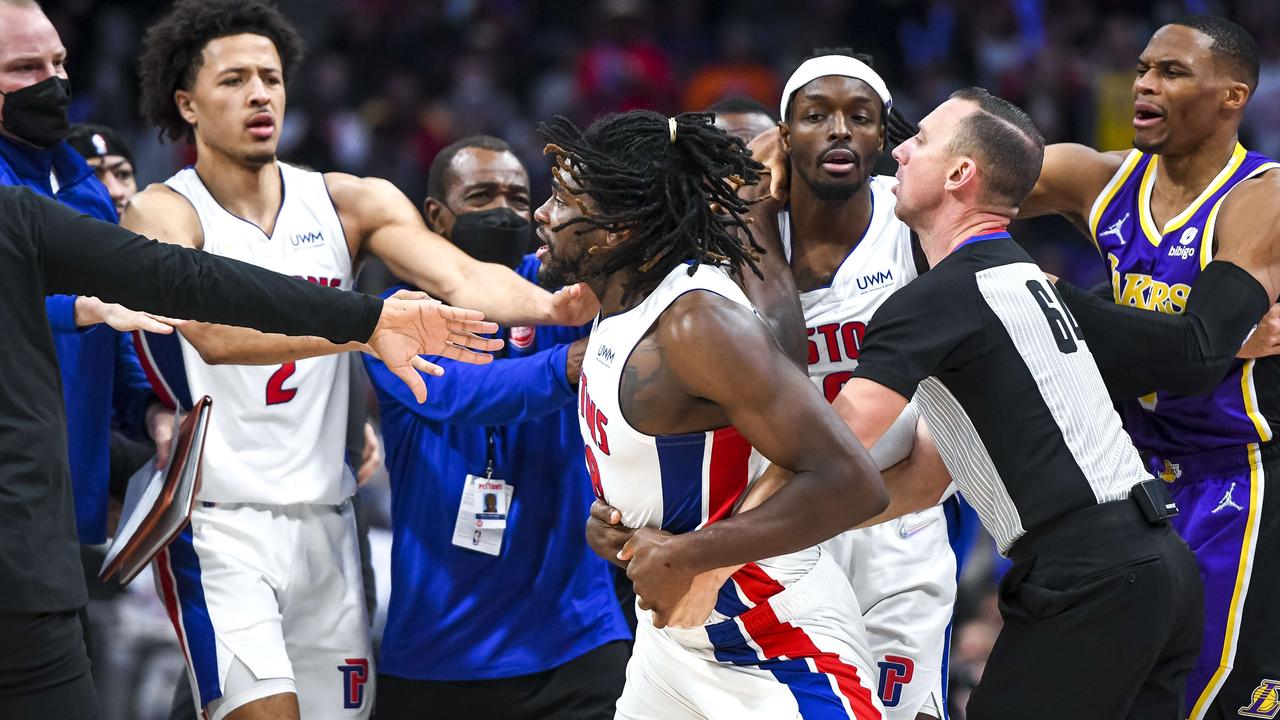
[[44, 669], [1102, 620], [585, 688]]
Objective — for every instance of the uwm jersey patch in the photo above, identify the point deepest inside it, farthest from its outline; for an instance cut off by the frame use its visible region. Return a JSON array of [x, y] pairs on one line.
[[279, 434]]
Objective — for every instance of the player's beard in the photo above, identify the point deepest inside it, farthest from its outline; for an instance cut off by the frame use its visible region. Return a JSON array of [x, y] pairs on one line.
[[830, 190], [259, 159]]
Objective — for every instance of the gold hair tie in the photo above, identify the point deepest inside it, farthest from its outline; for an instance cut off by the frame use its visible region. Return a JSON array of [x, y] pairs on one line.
[[671, 124]]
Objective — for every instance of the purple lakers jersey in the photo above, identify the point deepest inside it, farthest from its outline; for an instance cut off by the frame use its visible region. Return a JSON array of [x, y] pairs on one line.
[[1154, 267]]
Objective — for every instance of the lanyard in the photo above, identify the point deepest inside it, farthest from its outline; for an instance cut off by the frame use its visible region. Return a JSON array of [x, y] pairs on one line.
[[490, 452], [997, 235]]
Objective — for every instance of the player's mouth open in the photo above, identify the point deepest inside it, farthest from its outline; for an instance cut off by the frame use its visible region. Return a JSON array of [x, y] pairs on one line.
[[1146, 115], [261, 126], [839, 161]]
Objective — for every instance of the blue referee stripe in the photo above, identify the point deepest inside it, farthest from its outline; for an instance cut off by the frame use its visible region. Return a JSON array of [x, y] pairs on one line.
[[195, 616], [680, 461]]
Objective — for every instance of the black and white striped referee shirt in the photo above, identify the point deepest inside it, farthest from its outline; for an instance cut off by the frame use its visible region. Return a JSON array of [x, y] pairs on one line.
[[1007, 385]]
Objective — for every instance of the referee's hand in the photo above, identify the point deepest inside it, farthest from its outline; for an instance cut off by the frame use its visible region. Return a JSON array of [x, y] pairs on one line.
[[412, 325]]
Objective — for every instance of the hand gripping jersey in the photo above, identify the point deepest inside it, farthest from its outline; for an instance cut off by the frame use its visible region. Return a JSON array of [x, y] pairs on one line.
[[278, 433], [1154, 268], [676, 483]]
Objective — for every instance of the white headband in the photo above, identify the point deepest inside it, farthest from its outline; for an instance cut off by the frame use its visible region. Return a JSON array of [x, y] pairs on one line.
[[840, 65]]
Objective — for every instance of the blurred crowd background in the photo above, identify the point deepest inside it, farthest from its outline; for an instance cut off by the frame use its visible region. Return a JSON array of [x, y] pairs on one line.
[[388, 83]]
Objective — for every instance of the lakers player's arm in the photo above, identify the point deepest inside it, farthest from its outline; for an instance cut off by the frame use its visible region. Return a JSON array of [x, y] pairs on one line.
[[719, 352], [378, 218], [161, 213], [1140, 351], [1070, 180]]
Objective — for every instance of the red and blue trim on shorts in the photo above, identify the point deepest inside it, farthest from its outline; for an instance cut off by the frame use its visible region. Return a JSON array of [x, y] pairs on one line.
[[178, 575], [824, 686]]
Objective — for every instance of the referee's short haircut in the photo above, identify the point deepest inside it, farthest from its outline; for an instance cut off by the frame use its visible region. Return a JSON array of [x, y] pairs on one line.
[[1005, 142]]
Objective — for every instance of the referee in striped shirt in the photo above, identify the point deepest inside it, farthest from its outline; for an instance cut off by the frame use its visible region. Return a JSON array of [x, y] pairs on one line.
[[1103, 605]]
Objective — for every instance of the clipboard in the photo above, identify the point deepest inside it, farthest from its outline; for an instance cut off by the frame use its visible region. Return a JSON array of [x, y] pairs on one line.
[[157, 505]]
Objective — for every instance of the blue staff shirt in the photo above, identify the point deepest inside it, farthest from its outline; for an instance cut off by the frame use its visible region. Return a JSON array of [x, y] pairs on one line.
[[457, 614]]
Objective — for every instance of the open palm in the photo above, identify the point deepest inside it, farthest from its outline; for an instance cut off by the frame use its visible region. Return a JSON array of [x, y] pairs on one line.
[[412, 324]]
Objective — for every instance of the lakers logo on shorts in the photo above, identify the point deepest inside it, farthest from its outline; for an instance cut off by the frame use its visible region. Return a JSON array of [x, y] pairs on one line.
[[1265, 702]]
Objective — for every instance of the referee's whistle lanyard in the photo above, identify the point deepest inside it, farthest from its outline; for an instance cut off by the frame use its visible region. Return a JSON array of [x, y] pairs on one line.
[[997, 235]]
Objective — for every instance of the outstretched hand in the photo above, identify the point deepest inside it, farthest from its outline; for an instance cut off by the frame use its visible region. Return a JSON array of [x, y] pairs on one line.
[[573, 305], [91, 311], [412, 324], [767, 149]]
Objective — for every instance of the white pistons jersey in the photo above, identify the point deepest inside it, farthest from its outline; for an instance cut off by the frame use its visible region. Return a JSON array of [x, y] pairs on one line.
[[836, 316], [676, 483], [278, 432]]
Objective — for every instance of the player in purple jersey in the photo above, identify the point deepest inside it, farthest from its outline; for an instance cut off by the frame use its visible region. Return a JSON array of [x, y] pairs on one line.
[[1189, 225]]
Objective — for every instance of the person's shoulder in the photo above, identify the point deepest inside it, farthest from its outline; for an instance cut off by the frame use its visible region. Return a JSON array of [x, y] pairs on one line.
[[158, 198], [702, 317], [347, 189], [1252, 206], [160, 210]]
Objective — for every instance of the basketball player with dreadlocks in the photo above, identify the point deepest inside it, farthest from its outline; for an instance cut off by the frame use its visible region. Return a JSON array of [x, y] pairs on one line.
[[847, 253], [1189, 225], [682, 384]]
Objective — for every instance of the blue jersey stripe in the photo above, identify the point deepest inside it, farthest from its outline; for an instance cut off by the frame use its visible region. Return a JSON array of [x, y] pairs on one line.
[[680, 461], [165, 359]]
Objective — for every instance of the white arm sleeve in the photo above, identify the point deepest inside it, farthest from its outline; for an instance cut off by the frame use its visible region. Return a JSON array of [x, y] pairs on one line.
[[895, 445]]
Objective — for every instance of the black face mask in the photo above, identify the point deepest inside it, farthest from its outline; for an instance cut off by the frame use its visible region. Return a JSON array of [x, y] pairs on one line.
[[500, 235], [38, 113]]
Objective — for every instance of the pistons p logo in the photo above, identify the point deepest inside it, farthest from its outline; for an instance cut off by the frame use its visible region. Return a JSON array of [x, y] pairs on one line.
[[354, 676], [895, 671]]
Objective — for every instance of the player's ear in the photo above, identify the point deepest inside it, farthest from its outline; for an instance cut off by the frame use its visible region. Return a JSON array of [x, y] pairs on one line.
[[1237, 96], [784, 134], [182, 99]]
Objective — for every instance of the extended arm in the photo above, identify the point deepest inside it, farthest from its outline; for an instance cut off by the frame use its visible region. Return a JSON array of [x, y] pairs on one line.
[[388, 225], [835, 484], [506, 391], [1070, 180], [1140, 351], [80, 254], [161, 213]]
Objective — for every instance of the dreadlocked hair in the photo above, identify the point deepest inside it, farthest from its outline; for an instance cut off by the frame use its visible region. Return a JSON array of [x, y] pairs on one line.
[[660, 190]]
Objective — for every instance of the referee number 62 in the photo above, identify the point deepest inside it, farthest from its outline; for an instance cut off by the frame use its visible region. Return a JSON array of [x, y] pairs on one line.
[[1063, 326]]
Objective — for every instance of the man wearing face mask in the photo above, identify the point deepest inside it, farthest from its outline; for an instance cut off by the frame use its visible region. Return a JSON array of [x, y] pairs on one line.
[[498, 609], [99, 369]]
